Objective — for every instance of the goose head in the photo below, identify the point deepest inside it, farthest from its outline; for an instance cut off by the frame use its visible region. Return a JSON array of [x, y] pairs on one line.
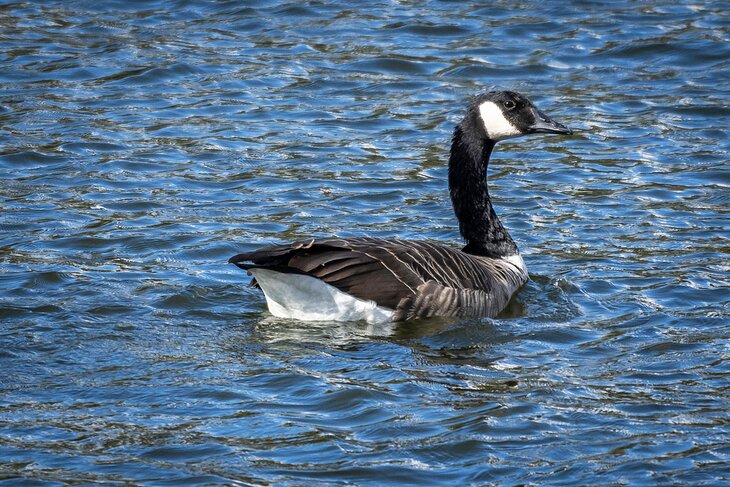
[[506, 114]]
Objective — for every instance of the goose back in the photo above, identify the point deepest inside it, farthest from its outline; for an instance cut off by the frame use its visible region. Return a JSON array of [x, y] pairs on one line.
[[416, 279]]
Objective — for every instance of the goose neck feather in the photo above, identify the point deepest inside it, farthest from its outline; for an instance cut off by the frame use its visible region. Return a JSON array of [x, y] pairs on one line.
[[478, 222]]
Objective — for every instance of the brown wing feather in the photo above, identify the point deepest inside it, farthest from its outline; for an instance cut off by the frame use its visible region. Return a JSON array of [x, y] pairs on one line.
[[417, 279], [434, 299], [344, 266]]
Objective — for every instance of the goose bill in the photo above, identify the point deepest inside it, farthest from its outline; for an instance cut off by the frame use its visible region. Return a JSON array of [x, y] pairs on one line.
[[546, 125]]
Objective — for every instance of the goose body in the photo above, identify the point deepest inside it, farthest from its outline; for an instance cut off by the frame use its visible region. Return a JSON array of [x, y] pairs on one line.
[[380, 280]]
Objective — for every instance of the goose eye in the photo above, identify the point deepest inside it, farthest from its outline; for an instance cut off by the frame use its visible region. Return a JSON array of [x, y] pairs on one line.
[[509, 104]]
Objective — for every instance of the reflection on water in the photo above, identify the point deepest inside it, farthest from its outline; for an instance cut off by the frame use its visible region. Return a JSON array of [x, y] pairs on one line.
[[142, 144]]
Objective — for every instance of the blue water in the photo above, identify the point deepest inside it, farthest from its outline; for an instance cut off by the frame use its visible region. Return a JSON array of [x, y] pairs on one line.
[[144, 143]]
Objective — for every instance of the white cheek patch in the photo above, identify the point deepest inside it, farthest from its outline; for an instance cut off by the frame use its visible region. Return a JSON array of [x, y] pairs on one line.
[[495, 123]]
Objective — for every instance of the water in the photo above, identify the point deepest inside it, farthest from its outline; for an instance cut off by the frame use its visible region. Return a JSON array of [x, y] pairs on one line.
[[143, 143]]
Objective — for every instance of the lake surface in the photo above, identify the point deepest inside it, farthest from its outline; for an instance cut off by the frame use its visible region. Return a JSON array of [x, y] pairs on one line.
[[144, 143]]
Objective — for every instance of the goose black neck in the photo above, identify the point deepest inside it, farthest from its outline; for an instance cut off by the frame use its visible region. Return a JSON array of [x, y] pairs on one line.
[[478, 223]]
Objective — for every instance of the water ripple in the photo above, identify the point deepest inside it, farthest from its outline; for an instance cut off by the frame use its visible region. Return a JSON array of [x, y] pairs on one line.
[[142, 145]]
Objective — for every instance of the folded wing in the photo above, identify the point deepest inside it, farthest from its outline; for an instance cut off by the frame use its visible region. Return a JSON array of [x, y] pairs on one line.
[[416, 279]]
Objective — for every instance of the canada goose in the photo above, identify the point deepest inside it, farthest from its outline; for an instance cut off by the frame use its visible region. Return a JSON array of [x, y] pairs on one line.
[[378, 280]]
